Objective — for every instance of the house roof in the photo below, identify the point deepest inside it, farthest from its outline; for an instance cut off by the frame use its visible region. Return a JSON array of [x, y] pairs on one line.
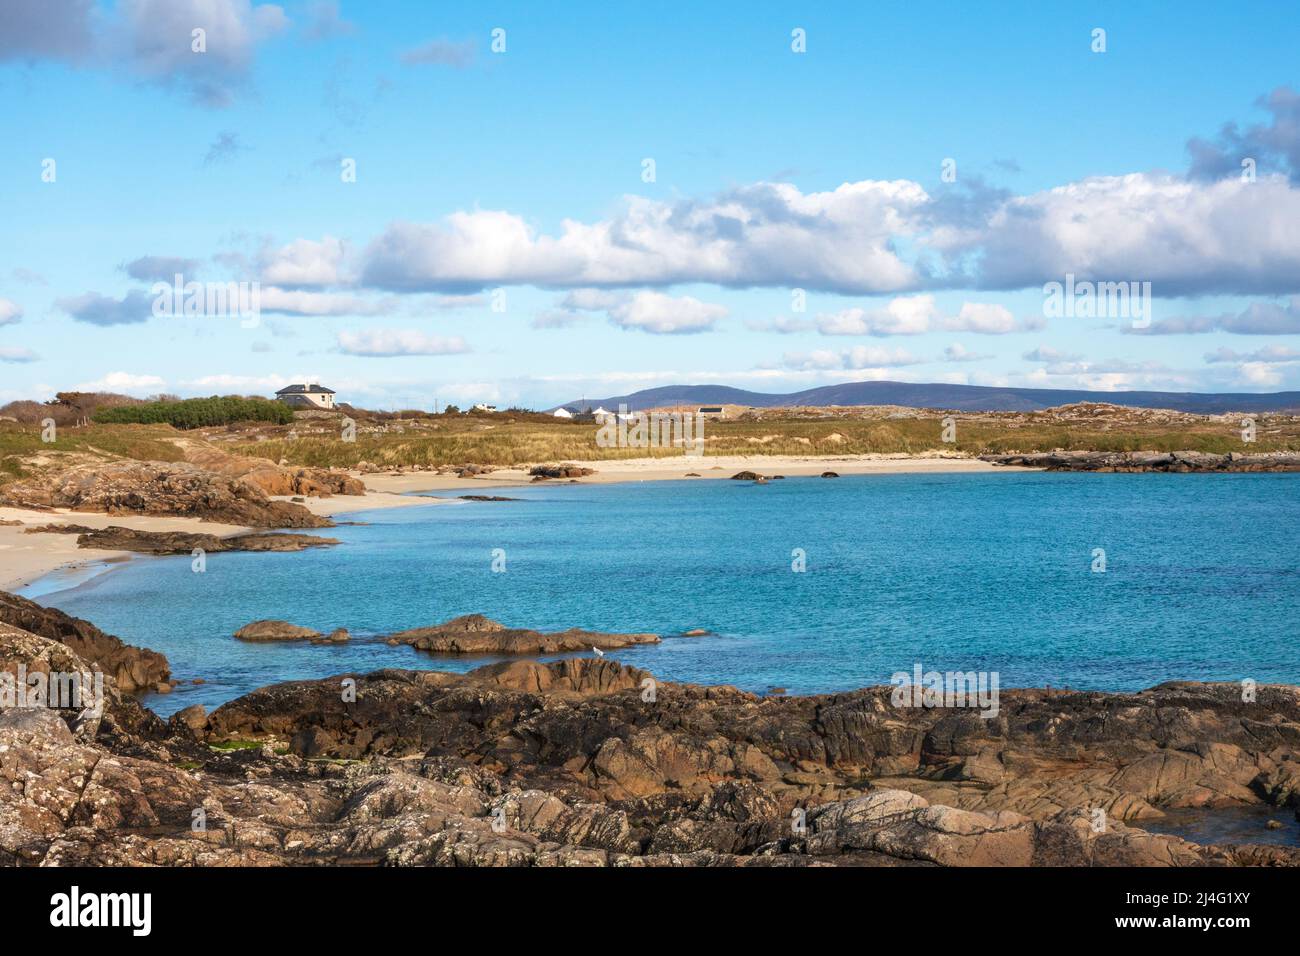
[[305, 390]]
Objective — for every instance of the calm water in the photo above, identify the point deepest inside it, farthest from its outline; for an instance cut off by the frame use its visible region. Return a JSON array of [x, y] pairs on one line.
[[987, 572]]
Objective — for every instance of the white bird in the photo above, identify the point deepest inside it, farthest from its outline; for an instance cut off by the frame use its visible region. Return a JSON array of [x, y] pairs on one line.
[[599, 652]]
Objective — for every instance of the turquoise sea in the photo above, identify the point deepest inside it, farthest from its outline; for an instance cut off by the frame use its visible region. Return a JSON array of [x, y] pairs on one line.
[[956, 572]]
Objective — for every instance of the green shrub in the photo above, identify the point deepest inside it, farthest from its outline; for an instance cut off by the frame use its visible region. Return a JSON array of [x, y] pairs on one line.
[[198, 412]]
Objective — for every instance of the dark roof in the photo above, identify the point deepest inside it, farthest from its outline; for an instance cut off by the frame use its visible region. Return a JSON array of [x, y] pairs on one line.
[[710, 409], [305, 389]]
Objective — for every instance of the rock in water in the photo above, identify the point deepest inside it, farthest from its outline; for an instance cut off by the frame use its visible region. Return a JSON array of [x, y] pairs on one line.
[[276, 631], [476, 634]]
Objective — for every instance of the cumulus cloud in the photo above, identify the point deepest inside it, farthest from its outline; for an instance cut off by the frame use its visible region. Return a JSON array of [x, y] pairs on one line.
[[96, 309], [387, 343], [154, 39], [1258, 318], [916, 315], [46, 29], [765, 234], [665, 314], [1183, 237], [441, 52], [10, 353], [646, 311], [10, 312], [149, 40], [306, 262], [1274, 146], [160, 268]]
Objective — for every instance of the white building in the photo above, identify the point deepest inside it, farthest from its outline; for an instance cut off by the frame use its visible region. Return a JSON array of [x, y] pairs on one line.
[[307, 396], [562, 413], [480, 407]]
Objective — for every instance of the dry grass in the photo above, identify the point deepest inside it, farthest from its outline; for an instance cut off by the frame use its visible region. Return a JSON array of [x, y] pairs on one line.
[[452, 440], [506, 439]]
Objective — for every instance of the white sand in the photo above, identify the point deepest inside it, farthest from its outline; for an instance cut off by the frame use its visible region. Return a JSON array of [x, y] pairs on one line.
[[25, 558]]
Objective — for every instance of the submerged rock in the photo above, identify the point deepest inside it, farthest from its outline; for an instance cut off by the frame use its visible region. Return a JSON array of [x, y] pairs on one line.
[[115, 538]]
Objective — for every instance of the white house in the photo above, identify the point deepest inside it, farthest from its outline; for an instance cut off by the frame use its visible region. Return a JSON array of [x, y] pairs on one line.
[[307, 396], [562, 413], [480, 407]]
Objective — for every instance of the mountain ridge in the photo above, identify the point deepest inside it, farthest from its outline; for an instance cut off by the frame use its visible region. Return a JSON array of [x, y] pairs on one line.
[[971, 398]]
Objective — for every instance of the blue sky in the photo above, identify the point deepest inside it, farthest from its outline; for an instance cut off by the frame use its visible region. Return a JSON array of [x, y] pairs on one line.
[[516, 178]]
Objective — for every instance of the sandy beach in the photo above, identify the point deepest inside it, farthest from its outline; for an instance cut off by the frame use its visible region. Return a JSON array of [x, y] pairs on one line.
[[25, 558]]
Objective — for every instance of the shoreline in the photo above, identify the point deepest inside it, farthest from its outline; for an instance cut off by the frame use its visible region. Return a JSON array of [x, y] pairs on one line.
[[27, 559]]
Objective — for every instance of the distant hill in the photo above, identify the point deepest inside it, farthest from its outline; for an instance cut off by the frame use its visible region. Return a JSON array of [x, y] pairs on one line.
[[969, 398]]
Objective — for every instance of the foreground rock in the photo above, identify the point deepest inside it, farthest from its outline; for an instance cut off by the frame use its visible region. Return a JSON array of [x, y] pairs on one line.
[[114, 538], [476, 634], [159, 488], [1138, 461], [133, 669], [586, 762]]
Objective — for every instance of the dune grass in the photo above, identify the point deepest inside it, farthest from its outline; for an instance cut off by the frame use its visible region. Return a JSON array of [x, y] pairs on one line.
[[455, 442]]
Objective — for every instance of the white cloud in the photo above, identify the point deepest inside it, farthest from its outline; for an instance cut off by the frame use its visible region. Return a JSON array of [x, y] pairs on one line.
[[764, 234], [153, 39], [1045, 353], [382, 343], [1184, 237], [9, 353], [915, 315], [302, 302], [10, 312], [982, 318], [96, 309], [125, 382], [960, 353], [1269, 355], [666, 315], [306, 262], [862, 357]]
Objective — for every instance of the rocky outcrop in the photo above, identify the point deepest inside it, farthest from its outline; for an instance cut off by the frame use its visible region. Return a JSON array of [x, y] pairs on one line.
[[543, 472], [584, 762], [133, 669], [159, 488], [114, 538], [272, 478], [1138, 461], [476, 634]]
